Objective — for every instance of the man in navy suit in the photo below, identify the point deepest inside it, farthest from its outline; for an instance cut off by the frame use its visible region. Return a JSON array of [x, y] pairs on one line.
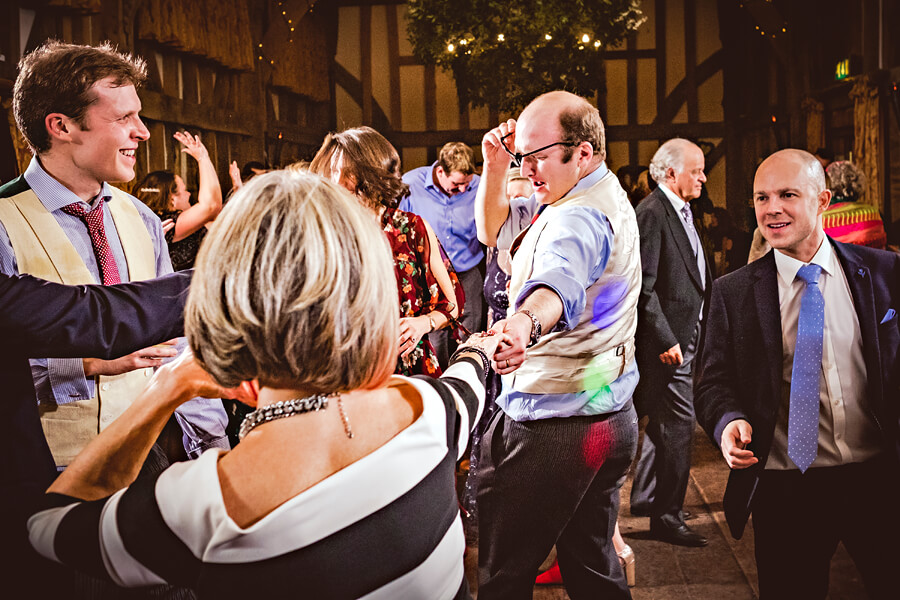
[[39, 318], [750, 393], [676, 280]]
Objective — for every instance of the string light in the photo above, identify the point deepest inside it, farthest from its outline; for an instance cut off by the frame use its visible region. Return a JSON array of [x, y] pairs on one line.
[[289, 22], [765, 33], [465, 44]]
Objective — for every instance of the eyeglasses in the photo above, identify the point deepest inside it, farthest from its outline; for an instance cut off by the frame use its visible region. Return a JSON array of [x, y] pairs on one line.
[[517, 157]]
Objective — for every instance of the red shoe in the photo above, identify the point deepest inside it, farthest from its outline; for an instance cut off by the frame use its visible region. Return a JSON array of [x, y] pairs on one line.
[[551, 576]]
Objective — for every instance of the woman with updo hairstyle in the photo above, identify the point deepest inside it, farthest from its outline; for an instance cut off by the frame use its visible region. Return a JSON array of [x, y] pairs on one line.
[[363, 162], [847, 219], [166, 195], [341, 484]]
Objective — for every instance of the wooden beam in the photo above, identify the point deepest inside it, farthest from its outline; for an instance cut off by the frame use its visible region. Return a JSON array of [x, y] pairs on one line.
[[430, 98], [394, 62], [164, 108], [690, 59], [365, 62], [660, 14], [631, 96]]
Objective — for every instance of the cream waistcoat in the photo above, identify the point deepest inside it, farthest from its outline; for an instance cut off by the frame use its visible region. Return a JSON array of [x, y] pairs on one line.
[[590, 355], [43, 250]]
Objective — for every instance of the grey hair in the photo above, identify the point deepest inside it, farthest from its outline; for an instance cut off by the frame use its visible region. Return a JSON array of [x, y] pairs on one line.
[[295, 287], [846, 180], [669, 156]]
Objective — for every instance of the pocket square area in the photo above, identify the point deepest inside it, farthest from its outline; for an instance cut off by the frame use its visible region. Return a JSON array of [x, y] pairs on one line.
[[890, 314]]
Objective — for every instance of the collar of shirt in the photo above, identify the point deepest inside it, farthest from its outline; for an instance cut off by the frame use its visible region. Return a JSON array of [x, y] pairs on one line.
[[429, 179], [677, 203], [53, 194], [788, 266]]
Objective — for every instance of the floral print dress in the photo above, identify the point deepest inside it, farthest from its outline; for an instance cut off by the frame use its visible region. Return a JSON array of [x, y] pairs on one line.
[[419, 291]]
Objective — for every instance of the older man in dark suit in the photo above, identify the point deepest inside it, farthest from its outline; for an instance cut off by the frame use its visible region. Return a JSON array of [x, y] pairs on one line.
[[800, 387], [676, 278], [39, 318]]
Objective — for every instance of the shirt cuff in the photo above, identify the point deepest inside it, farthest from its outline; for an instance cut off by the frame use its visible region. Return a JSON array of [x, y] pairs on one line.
[[68, 381], [203, 422]]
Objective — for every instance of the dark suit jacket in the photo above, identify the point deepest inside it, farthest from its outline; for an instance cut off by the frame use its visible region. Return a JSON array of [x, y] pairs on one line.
[[42, 319], [741, 369], [671, 292]]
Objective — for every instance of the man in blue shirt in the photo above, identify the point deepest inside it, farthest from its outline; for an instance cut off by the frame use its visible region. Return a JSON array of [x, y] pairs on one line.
[[554, 457], [444, 195]]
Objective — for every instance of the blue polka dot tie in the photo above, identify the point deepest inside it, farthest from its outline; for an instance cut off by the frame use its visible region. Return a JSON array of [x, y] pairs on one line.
[[803, 419]]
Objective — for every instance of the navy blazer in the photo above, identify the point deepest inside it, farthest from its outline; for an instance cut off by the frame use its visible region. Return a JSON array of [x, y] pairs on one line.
[[43, 319], [671, 289], [741, 368]]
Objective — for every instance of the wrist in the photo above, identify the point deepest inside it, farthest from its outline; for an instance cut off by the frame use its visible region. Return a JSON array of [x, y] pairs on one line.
[[534, 329]]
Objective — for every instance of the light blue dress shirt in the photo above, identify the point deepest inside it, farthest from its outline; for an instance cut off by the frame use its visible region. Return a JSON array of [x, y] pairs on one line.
[[451, 217], [62, 380], [570, 256]]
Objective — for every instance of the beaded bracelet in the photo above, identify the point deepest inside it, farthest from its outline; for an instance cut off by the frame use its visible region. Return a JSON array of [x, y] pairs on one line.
[[485, 361]]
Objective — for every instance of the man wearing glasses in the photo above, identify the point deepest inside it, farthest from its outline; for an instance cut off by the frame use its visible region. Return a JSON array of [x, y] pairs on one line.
[[553, 459]]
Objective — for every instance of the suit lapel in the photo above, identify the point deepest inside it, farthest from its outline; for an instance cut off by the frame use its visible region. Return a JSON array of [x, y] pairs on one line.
[[860, 280], [673, 220], [765, 291]]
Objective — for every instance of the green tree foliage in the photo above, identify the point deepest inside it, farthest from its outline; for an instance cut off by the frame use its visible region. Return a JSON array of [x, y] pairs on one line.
[[503, 53]]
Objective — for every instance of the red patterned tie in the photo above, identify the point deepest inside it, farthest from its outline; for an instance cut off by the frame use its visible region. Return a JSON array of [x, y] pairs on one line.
[[94, 222]]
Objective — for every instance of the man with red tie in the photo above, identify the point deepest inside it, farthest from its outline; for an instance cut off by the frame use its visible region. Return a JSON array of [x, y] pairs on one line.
[[78, 109], [800, 387]]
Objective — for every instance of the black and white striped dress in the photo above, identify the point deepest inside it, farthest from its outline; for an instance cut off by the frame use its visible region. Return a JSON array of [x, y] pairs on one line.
[[386, 526]]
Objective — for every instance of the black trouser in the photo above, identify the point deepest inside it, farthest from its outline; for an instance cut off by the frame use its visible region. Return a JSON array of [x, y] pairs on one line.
[[663, 469], [546, 482], [799, 518]]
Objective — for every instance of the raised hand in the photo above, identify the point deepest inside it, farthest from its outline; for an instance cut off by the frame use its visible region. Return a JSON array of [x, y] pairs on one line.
[[192, 145]]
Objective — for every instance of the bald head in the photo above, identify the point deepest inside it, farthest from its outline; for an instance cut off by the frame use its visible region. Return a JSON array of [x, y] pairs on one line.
[[575, 119], [807, 166], [789, 197]]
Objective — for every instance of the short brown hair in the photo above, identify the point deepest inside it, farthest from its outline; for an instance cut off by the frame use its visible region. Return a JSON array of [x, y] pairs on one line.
[[295, 288], [156, 190], [582, 123], [367, 157], [457, 157], [58, 78]]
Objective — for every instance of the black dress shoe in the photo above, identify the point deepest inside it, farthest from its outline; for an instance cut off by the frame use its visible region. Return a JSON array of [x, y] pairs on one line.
[[678, 534]]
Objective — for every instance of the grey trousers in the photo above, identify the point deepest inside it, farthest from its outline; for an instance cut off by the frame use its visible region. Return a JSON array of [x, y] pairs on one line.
[[546, 482]]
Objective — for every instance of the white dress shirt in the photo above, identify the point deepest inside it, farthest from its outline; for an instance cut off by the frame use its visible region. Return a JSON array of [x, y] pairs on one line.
[[848, 432]]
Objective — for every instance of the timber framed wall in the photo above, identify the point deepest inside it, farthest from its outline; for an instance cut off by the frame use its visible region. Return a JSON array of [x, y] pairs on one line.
[[252, 81], [666, 81]]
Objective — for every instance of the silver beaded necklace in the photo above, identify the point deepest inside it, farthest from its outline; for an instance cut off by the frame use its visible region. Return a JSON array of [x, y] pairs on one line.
[[290, 408]]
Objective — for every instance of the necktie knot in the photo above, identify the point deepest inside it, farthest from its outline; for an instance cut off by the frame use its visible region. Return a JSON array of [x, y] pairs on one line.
[[810, 273], [106, 262], [687, 214]]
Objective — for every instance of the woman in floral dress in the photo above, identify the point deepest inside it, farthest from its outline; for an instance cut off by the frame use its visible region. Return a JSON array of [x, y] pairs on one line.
[[365, 163]]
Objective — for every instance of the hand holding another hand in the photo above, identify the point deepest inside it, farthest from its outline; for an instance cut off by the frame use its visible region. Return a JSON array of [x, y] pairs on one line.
[[516, 333]]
